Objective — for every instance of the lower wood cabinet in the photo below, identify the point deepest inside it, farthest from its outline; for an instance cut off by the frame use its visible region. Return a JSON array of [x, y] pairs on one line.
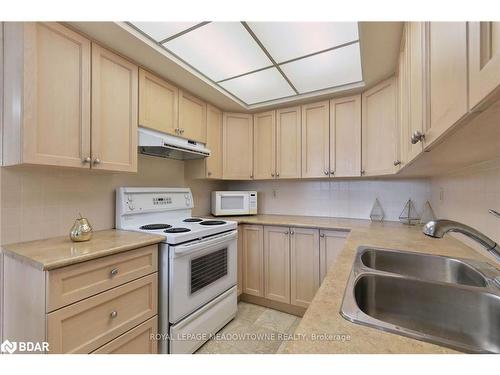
[[277, 263], [239, 271], [331, 243], [253, 259]]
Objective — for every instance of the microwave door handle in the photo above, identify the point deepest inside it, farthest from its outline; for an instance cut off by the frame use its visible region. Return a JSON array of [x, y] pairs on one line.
[[216, 240]]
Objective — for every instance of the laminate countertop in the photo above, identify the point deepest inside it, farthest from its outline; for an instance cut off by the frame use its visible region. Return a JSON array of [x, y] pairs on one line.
[[323, 329], [59, 252]]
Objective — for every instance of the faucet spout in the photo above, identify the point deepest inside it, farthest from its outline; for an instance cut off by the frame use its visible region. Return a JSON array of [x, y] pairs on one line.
[[438, 228]]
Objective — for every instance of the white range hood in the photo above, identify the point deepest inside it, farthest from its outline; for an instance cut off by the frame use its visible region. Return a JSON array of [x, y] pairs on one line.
[[163, 145]]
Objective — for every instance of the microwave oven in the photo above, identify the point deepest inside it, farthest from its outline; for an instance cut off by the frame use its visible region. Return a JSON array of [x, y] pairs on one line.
[[226, 203]]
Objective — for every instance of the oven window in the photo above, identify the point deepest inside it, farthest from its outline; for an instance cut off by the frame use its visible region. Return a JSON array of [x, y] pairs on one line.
[[207, 269], [229, 202]]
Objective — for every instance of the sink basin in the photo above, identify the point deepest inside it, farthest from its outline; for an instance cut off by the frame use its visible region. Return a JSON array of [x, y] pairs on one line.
[[448, 301], [421, 266]]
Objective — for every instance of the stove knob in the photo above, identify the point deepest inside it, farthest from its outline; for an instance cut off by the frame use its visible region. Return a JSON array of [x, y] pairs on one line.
[[129, 198], [131, 207]]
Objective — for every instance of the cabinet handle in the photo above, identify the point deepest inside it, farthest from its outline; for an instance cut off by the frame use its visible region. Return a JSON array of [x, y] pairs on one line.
[[181, 131], [251, 176], [177, 130], [272, 174], [114, 272], [113, 314], [322, 235], [292, 232], [397, 162], [97, 161], [286, 233], [209, 173], [86, 160], [332, 173], [417, 137], [362, 172], [277, 174], [326, 172]]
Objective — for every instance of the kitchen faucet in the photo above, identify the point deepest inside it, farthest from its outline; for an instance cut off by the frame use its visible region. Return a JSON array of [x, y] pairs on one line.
[[438, 228]]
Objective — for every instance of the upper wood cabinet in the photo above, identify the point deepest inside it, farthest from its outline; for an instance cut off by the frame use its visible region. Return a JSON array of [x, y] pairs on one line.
[[447, 61], [484, 60], [192, 117], [345, 136], [304, 265], [264, 145], [253, 259], [379, 129], [288, 143], [114, 111], [158, 103], [237, 154], [315, 140], [214, 142], [277, 263], [46, 95], [403, 103]]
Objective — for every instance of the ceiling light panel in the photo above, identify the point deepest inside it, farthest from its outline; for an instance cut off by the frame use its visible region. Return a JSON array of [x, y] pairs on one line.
[[162, 30], [289, 40], [258, 87], [219, 50], [328, 69]]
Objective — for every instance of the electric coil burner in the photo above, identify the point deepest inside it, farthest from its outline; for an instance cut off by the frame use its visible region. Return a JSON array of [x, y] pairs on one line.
[[155, 226], [177, 230], [192, 220], [212, 222]]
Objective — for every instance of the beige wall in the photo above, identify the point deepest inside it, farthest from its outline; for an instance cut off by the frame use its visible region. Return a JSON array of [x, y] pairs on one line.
[[467, 196], [39, 202]]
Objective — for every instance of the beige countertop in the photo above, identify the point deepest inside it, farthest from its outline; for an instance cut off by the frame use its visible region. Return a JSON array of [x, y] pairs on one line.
[[61, 251], [322, 321]]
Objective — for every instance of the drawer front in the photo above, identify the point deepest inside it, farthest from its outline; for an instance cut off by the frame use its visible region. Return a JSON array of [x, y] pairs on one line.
[[136, 341], [91, 323], [74, 283]]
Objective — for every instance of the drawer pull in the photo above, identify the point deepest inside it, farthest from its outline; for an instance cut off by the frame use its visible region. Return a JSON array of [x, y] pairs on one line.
[[114, 272], [113, 314]]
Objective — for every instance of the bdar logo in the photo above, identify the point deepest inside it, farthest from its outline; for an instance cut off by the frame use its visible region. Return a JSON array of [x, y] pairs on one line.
[[8, 347]]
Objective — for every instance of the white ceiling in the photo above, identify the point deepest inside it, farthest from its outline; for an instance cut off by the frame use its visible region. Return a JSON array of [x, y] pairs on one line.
[[259, 62]]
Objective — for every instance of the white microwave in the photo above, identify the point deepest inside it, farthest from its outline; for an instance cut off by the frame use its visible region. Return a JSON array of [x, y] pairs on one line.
[[226, 203]]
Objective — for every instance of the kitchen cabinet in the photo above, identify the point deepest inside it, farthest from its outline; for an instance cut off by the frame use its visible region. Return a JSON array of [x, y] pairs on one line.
[[277, 263], [46, 95], [114, 111], [447, 62], [379, 133], [240, 260], [345, 136], [315, 140], [264, 145], [331, 243], [403, 103], [304, 265], [288, 143], [237, 143], [158, 103], [192, 117], [253, 259], [484, 60]]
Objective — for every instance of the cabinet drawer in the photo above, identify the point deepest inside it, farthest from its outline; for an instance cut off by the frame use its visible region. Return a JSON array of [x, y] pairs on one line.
[[91, 323], [136, 341], [74, 283]]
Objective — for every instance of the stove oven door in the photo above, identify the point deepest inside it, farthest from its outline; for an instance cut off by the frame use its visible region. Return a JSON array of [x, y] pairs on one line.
[[200, 271]]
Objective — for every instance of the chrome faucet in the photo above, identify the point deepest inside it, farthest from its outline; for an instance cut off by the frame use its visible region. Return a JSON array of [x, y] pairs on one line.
[[438, 228]]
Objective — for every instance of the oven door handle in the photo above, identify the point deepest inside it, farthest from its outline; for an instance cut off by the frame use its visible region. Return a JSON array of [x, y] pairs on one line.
[[181, 250]]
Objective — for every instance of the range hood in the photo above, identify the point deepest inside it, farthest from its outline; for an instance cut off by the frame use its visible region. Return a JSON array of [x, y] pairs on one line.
[[155, 143]]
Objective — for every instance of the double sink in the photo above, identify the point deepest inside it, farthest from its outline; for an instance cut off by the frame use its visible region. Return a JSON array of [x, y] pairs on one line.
[[448, 301]]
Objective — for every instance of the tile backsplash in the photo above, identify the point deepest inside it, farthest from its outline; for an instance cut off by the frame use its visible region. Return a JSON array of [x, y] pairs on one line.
[[347, 198], [40, 202]]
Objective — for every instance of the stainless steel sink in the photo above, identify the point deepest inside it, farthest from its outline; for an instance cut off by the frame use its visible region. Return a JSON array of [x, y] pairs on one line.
[[448, 301]]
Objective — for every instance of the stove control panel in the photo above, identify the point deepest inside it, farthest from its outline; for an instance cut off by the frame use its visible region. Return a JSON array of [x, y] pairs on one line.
[[147, 201]]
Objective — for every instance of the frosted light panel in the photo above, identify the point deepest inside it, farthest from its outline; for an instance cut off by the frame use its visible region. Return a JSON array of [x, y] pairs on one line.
[[219, 50], [258, 87], [162, 30], [328, 69], [289, 40]]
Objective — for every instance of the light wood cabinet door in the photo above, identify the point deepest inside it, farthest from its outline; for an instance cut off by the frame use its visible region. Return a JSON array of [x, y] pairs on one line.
[[214, 142], [379, 133], [288, 143], [192, 117], [237, 143], [315, 140], [304, 262], [484, 60], [264, 145], [136, 341], [240, 260], [114, 111], [331, 243], [345, 136], [447, 76], [277, 263], [253, 260], [158, 103], [403, 103], [56, 93]]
